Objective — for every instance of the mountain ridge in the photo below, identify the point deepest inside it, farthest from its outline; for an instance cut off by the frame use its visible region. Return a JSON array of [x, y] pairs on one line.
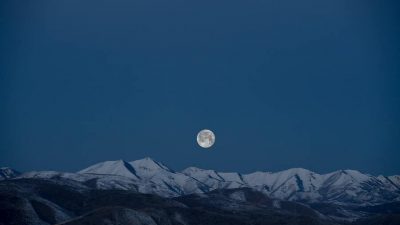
[[296, 184], [7, 173]]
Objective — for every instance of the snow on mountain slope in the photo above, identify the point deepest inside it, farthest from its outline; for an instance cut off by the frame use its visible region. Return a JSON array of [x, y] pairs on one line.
[[149, 176], [213, 179], [343, 178], [201, 174], [8, 173], [303, 180], [344, 186], [232, 177], [83, 181], [164, 180], [395, 180], [259, 179], [388, 182], [288, 184], [353, 187], [209, 178], [119, 167], [303, 185], [348, 186], [147, 167]]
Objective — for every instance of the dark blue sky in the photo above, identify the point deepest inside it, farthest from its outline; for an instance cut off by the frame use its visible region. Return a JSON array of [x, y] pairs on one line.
[[311, 84]]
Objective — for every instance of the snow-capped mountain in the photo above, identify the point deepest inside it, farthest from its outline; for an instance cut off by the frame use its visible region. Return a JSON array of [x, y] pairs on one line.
[[8, 173], [150, 177], [119, 167], [344, 186], [213, 179], [297, 184]]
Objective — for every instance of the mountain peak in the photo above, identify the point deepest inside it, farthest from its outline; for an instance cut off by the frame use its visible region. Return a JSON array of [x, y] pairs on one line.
[[118, 167], [8, 173], [202, 174], [148, 163], [352, 173], [298, 170], [192, 169]]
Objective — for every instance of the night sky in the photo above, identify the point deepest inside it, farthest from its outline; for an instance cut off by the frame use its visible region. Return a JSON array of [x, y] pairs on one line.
[[312, 84]]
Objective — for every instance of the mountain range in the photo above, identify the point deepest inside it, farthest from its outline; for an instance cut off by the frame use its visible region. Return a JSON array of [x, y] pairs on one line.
[[339, 197], [297, 184]]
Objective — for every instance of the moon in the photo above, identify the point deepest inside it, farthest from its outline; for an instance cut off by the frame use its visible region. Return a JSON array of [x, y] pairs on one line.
[[205, 138]]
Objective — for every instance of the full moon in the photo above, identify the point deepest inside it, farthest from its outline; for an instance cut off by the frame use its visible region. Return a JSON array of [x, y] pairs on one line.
[[205, 138]]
